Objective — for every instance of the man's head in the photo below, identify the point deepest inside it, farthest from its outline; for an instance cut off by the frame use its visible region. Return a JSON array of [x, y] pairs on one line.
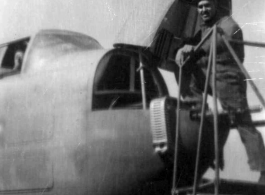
[[18, 59], [207, 9]]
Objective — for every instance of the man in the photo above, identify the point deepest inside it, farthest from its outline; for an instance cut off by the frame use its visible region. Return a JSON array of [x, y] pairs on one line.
[[18, 50], [19, 55], [230, 81], [18, 59], [16, 66]]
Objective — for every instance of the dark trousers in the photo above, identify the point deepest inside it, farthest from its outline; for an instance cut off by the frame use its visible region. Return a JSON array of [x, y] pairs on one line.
[[252, 141], [231, 92]]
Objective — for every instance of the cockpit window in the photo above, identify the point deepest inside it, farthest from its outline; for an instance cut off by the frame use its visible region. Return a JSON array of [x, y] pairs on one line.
[[12, 56], [118, 82], [49, 45], [124, 65]]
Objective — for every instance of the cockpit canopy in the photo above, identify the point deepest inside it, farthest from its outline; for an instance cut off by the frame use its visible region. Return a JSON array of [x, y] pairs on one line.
[[49, 45], [33, 54]]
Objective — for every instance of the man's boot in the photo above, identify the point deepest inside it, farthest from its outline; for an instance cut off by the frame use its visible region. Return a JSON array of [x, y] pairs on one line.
[[262, 177]]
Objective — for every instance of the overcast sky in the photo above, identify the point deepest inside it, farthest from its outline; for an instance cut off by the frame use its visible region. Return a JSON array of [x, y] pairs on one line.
[[101, 18], [97, 18]]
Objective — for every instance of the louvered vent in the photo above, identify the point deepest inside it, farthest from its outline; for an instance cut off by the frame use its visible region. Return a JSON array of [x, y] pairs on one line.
[[162, 111], [162, 44]]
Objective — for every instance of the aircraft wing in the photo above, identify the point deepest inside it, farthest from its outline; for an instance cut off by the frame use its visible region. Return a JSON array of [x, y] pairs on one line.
[[142, 23]]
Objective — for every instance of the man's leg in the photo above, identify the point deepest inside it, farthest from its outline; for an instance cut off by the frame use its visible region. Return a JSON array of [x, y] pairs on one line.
[[253, 143], [232, 96]]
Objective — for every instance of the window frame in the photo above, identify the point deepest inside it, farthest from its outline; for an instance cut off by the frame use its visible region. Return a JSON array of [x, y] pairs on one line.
[[149, 65], [7, 57]]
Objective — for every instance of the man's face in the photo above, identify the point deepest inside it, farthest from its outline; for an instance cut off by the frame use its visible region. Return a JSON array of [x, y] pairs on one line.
[[206, 9], [18, 59]]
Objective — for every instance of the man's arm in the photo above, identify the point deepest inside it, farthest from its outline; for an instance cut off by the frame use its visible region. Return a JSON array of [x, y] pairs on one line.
[[231, 30]]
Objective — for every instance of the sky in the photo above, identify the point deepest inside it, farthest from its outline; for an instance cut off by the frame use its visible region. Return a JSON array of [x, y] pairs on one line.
[[102, 20]]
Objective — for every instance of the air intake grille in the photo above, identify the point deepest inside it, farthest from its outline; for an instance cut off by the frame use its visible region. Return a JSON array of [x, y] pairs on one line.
[[162, 45], [161, 125]]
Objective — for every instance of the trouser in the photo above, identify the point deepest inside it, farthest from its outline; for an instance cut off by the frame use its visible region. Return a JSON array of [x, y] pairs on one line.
[[252, 141], [232, 96]]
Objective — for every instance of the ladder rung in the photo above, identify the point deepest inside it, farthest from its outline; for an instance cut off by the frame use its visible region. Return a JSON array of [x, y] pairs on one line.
[[219, 194]]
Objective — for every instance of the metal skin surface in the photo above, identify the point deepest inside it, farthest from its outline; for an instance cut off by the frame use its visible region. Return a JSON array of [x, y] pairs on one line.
[[53, 143]]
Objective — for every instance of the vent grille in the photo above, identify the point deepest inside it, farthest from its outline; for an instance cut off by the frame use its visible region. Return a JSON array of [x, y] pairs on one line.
[[162, 111], [162, 44]]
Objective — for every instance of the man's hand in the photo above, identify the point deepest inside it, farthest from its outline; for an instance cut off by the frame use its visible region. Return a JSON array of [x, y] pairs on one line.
[[183, 54]]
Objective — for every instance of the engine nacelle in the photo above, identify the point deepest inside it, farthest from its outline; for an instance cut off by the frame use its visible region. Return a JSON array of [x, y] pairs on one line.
[[163, 122]]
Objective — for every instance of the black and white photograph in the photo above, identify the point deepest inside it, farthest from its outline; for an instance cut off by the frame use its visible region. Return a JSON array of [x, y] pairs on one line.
[[132, 97]]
